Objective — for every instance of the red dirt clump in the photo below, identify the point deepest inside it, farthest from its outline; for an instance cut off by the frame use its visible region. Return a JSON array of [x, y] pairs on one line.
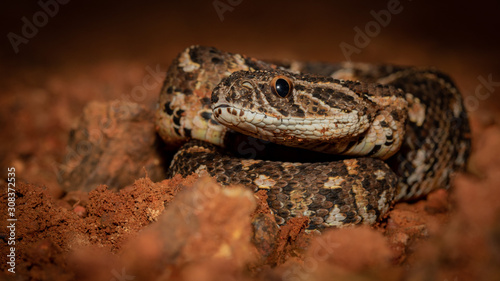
[[114, 144], [50, 230]]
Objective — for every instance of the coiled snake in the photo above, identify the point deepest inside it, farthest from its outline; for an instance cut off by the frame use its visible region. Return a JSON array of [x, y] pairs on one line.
[[412, 118]]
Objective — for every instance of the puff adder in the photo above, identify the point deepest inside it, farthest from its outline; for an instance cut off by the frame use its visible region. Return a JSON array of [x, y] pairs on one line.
[[377, 134]]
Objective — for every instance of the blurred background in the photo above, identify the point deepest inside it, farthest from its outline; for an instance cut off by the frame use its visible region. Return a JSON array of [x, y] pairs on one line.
[[58, 56]]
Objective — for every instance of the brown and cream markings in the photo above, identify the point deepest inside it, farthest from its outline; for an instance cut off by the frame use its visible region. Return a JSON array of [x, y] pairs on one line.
[[413, 118]]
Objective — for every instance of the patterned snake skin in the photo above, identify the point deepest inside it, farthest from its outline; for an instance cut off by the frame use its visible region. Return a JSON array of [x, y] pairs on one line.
[[411, 118]]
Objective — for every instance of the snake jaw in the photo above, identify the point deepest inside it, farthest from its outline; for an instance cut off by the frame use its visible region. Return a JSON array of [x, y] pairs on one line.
[[313, 134], [245, 102]]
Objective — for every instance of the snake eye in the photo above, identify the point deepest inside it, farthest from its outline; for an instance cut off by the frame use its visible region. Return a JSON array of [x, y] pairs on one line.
[[282, 86]]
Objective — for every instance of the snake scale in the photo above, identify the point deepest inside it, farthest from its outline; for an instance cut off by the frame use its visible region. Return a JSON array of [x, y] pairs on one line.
[[380, 133]]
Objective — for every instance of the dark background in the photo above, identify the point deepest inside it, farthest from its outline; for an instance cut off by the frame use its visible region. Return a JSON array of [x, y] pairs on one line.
[[464, 33]]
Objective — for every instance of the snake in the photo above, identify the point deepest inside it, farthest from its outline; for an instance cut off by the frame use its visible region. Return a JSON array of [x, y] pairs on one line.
[[338, 143]]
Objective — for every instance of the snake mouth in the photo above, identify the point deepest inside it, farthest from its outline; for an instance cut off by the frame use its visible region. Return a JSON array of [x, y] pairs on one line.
[[268, 127], [221, 106]]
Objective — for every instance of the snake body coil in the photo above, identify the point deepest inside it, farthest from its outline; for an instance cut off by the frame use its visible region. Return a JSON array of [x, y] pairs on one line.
[[414, 119]]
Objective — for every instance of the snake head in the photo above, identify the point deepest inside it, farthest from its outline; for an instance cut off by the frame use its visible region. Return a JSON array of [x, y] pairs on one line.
[[291, 109]]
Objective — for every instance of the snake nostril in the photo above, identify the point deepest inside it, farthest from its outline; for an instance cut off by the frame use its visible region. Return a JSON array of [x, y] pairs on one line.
[[247, 85]]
